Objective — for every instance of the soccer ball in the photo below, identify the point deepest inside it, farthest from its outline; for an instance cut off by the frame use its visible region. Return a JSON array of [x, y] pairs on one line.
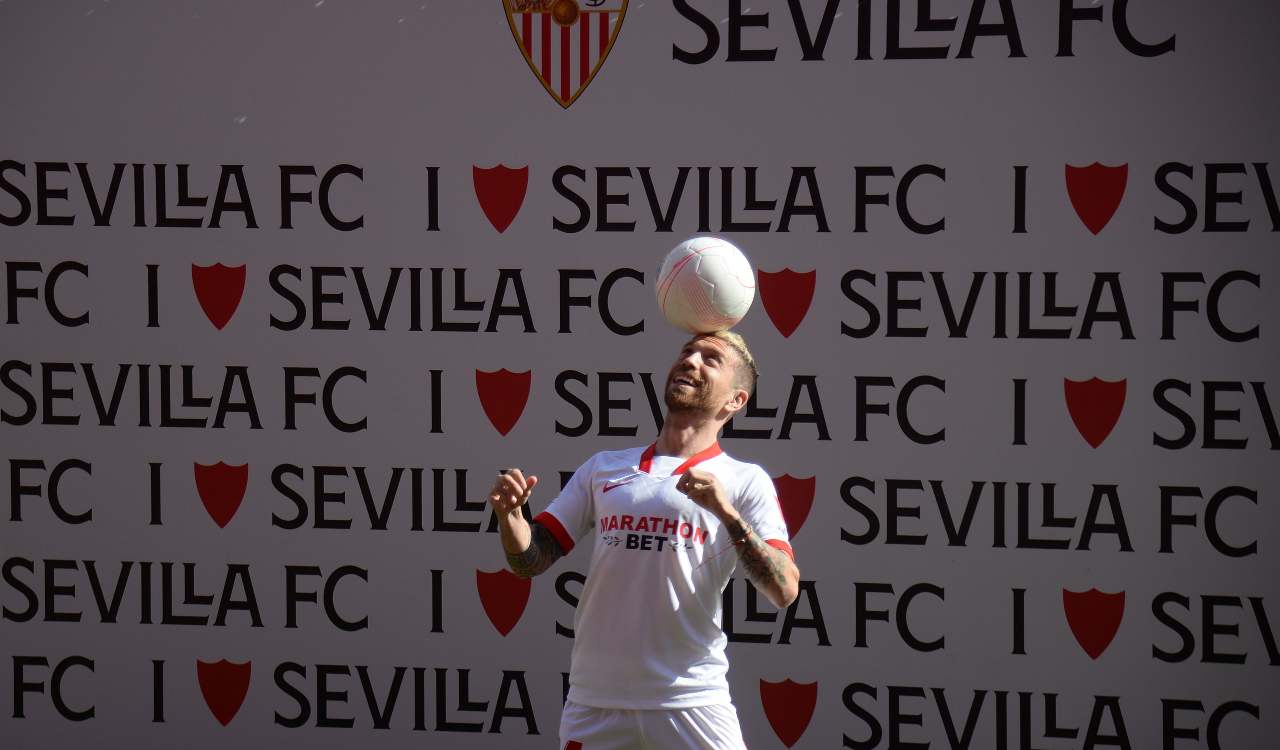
[[705, 284]]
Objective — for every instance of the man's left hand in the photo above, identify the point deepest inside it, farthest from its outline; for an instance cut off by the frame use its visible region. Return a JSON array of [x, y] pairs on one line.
[[705, 490]]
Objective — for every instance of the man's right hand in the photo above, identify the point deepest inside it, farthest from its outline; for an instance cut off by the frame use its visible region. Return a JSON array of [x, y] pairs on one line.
[[510, 491], [530, 548]]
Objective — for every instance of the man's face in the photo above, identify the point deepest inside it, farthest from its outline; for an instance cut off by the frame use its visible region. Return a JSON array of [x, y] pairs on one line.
[[703, 376]]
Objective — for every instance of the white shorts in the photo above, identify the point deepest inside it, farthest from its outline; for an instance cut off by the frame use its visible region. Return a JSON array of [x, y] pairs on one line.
[[712, 727]]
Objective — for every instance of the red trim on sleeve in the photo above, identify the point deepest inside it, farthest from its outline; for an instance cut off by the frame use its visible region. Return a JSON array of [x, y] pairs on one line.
[[779, 544], [552, 524]]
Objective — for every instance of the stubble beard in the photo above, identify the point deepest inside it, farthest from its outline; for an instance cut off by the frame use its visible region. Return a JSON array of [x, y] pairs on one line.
[[696, 401]]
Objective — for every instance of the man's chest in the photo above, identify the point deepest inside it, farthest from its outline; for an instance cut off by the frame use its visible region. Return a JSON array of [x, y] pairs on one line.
[[640, 511]]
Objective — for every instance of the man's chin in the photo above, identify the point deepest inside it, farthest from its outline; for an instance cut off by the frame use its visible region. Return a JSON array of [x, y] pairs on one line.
[[681, 403], [676, 401]]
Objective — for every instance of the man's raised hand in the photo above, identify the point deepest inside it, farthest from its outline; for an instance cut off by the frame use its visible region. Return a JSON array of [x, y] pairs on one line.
[[530, 547], [704, 489], [511, 490]]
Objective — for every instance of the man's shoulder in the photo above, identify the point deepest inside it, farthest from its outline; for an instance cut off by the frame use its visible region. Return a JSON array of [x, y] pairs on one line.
[[737, 467], [731, 461]]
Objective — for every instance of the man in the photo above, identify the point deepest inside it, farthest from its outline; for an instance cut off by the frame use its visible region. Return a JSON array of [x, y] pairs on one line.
[[671, 521]]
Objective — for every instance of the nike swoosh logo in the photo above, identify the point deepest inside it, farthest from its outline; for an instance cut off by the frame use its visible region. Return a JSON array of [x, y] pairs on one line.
[[615, 485]]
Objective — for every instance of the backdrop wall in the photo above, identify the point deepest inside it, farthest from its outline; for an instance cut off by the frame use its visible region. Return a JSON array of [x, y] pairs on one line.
[[285, 283]]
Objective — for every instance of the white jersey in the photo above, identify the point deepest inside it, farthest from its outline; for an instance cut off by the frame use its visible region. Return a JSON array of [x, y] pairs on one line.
[[647, 626]]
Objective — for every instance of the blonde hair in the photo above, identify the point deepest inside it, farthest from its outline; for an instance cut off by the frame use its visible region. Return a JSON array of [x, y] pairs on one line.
[[747, 373]]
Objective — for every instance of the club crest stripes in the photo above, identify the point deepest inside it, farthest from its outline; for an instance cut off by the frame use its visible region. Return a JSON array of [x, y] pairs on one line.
[[565, 57]]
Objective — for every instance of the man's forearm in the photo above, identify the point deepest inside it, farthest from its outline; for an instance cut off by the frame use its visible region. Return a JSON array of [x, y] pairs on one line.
[[530, 547], [772, 572], [515, 533]]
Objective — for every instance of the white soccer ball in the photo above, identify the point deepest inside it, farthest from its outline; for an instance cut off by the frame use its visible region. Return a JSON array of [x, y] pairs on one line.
[[705, 284]]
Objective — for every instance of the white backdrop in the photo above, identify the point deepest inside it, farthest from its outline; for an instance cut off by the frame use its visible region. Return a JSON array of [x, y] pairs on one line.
[[930, 177]]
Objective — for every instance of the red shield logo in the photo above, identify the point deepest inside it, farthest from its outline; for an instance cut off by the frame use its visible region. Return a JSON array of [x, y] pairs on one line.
[[786, 295], [224, 686], [1094, 618], [795, 495], [565, 41], [789, 707], [1095, 192], [503, 395], [221, 488], [1095, 406], [218, 289], [503, 595], [500, 191]]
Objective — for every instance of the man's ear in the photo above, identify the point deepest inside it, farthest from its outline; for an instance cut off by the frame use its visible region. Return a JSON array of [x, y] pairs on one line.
[[737, 401]]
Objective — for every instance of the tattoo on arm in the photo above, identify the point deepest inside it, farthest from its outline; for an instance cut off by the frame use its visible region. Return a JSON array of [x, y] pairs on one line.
[[542, 552], [765, 566]]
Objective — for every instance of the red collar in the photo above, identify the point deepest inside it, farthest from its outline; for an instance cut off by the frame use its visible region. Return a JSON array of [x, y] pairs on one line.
[[646, 458]]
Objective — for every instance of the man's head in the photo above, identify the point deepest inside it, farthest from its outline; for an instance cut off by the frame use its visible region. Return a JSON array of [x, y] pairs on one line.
[[746, 371], [714, 374]]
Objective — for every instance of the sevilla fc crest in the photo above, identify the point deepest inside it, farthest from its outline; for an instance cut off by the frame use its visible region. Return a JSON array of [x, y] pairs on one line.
[[504, 596], [1095, 192], [786, 295], [565, 41], [500, 191], [1094, 618], [219, 289], [788, 706], [221, 488], [224, 685], [1095, 406], [503, 395], [795, 495]]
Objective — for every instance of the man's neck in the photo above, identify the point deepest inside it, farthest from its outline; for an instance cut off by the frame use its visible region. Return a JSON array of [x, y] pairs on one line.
[[685, 434]]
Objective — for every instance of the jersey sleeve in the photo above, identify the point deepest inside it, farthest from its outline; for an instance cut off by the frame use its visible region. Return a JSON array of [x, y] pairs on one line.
[[758, 504], [572, 513]]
